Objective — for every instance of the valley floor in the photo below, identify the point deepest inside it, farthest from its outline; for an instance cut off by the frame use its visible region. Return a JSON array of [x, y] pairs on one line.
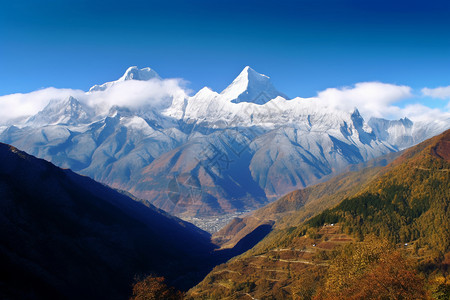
[[215, 223]]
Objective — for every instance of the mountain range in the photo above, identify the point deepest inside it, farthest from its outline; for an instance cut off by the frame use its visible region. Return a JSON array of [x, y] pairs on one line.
[[211, 153]]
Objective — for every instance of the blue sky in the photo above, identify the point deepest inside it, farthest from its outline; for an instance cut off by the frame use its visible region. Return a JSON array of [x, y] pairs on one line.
[[304, 46]]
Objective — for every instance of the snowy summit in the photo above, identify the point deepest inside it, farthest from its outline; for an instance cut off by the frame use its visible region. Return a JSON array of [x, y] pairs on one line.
[[250, 86], [132, 73]]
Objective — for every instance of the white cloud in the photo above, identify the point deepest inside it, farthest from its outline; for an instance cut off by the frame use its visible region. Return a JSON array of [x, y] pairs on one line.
[[373, 99], [439, 92], [382, 100], [19, 105], [134, 94], [420, 112], [130, 93]]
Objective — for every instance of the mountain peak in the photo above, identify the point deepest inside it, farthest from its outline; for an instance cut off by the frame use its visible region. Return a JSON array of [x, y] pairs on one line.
[[248, 71], [251, 86], [205, 92], [134, 73], [66, 111]]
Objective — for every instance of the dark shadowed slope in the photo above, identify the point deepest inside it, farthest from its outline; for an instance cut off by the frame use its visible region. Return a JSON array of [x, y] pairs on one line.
[[66, 236]]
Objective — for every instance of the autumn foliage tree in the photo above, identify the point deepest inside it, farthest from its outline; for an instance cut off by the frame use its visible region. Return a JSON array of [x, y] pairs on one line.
[[392, 278], [154, 288], [370, 270]]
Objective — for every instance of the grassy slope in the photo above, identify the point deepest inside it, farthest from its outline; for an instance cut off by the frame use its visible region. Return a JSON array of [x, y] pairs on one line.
[[294, 208]]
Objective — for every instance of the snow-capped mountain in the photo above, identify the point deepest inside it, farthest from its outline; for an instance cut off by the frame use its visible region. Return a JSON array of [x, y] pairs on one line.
[[404, 133], [132, 73], [66, 111], [211, 153], [250, 86]]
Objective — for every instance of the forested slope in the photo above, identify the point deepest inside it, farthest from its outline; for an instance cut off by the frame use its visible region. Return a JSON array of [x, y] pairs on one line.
[[388, 240]]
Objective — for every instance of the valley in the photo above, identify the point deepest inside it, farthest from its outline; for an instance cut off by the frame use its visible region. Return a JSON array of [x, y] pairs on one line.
[[214, 224]]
